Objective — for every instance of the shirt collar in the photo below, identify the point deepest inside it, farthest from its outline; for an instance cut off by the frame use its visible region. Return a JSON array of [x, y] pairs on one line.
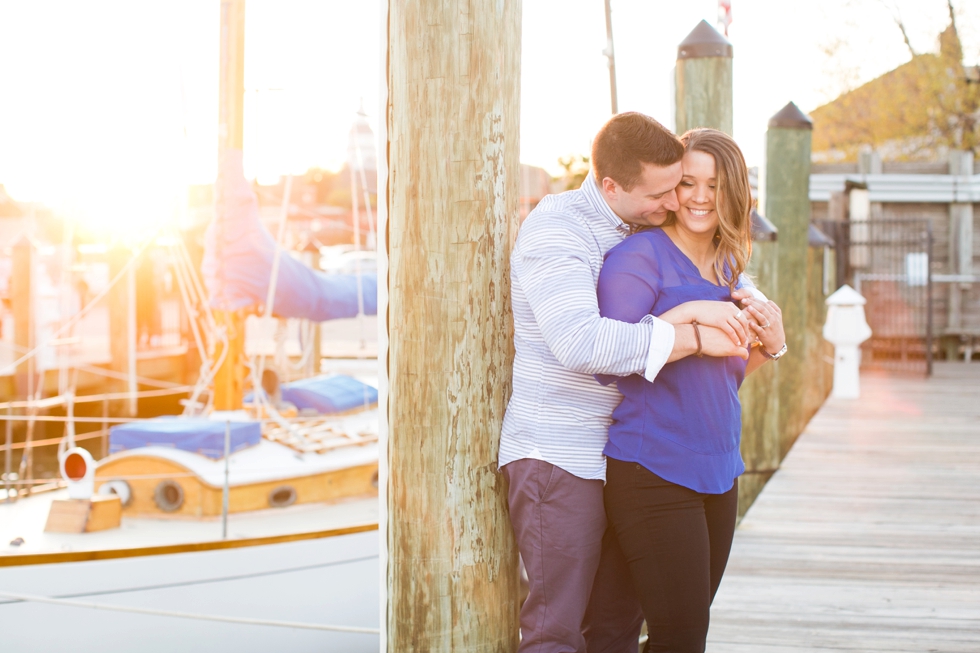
[[594, 196]]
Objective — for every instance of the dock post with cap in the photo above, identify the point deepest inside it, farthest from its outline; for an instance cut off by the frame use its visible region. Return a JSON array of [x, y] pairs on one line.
[[704, 99], [787, 201], [703, 78]]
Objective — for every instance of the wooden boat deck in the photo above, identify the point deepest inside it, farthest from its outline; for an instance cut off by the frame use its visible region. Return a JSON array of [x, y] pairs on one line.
[[868, 538]]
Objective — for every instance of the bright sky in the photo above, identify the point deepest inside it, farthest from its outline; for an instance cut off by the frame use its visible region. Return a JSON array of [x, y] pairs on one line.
[[109, 107]]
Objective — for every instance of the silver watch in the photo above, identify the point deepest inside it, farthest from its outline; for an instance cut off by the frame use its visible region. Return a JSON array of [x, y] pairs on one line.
[[773, 357]]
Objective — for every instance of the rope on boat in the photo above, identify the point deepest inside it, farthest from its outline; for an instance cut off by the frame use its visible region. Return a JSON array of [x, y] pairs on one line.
[[43, 443], [60, 400], [189, 615], [211, 580]]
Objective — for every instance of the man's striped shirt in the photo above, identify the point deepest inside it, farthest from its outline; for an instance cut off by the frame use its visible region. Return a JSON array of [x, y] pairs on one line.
[[558, 412]]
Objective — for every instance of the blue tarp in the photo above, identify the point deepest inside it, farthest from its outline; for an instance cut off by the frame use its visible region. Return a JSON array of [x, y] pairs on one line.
[[328, 394], [202, 436], [238, 253]]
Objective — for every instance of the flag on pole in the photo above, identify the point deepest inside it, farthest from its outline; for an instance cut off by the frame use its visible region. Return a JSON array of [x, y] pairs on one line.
[[725, 14]]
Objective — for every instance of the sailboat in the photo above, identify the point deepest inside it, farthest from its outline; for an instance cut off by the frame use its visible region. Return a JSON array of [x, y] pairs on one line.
[[234, 528]]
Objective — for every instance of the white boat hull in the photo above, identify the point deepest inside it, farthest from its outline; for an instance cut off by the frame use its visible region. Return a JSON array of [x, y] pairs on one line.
[[331, 580]]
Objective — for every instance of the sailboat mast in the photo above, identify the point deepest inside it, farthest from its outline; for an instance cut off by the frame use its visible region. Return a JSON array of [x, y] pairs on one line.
[[230, 377], [610, 53], [231, 91]]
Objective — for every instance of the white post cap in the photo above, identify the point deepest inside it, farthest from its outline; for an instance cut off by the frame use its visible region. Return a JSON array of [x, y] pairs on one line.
[[846, 296]]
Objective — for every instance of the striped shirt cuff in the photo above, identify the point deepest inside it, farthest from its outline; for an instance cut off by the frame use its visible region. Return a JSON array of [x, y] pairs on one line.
[[661, 344]]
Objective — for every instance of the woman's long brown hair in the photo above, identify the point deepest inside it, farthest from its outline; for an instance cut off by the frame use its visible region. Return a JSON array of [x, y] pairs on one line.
[[733, 202]]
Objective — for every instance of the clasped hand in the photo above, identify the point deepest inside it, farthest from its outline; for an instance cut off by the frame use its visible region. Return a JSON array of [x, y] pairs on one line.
[[727, 330]]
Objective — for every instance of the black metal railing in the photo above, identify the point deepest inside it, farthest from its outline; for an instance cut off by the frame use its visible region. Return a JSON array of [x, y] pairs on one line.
[[889, 261]]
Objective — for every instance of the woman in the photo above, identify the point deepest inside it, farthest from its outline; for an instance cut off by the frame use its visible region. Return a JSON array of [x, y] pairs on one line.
[[673, 453]]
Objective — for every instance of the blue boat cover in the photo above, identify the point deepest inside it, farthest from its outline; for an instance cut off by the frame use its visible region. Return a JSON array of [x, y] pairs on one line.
[[238, 253], [201, 436], [328, 394]]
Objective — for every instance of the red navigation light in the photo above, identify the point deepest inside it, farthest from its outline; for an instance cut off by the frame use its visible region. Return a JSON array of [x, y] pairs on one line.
[[75, 467]]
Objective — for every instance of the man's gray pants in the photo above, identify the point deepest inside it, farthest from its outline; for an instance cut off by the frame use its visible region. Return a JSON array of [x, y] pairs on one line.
[[560, 524]]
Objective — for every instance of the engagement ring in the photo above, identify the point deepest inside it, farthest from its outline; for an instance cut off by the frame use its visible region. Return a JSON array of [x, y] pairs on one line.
[[766, 325]]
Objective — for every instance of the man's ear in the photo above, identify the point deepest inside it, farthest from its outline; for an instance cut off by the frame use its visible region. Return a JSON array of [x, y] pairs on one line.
[[609, 187]]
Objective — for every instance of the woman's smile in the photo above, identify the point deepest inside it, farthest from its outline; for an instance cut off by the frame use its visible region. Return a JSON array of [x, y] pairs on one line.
[[696, 193]]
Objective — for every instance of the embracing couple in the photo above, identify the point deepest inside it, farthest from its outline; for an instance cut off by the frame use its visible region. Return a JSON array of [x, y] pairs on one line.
[[623, 496]]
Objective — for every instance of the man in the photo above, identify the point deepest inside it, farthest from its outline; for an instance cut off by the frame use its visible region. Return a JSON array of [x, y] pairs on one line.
[[557, 420]]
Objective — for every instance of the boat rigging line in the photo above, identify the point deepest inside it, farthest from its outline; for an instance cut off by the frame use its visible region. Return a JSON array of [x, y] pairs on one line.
[[190, 615]]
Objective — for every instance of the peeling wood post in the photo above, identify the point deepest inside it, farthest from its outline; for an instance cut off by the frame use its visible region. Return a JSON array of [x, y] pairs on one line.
[[788, 207], [703, 76], [229, 380], [450, 217]]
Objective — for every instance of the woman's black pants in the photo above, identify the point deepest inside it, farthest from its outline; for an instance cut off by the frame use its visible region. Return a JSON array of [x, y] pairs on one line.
[[676, 542]]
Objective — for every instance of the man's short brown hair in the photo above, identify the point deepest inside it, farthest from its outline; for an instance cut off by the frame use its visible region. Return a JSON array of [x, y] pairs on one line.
[[626, 142]]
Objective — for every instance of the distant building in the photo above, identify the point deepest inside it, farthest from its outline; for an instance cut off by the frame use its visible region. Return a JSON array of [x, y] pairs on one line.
[[908, 140]]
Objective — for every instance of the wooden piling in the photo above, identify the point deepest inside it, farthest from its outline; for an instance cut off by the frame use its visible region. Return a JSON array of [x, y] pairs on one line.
[[451, 213], [787, 203], [703, 92], [759, 394], [704, 99]]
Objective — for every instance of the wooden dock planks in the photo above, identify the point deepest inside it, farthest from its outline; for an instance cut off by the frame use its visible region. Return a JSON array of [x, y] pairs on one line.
[[868, 538]]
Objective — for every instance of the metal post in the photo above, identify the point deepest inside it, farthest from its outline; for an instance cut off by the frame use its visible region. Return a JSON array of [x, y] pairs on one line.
[[131, 339], [6, 456], [224, 490], [611, 59], [105, 428], [928, 299], [356, 217], [26, 469]]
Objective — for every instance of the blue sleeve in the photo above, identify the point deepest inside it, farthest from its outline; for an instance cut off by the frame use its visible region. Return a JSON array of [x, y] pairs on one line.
[[629, 284]]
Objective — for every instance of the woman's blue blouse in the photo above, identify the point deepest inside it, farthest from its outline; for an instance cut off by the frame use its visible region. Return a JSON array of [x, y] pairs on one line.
[[685, 426]]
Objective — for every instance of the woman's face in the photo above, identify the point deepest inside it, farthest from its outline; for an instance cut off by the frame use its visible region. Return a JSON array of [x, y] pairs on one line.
[[696, 193]]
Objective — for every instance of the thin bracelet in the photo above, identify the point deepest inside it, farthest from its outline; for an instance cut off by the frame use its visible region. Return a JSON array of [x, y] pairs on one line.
[[697, 336]]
